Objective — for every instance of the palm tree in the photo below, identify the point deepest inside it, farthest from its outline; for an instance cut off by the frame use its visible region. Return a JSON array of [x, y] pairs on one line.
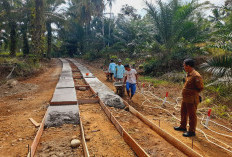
[[174, 21], [51, 16], [221, 67], [10, 10], [25, 21], [38, 28]]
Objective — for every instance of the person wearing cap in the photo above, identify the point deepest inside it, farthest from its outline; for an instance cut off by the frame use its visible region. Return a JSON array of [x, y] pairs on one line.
[[112, 68], [119, 71], [130, 80], [190, 93]]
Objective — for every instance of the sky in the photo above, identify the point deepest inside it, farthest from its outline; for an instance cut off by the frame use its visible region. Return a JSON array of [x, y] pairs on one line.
[[139, 4]]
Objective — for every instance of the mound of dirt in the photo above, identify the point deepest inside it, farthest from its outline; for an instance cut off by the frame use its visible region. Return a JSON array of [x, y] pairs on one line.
[[12, 87]]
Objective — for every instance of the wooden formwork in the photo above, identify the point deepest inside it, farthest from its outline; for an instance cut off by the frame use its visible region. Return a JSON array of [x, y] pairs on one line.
[[78, 77], [78, 86], [39, 133], [134, 145], [58, 103], [36, 140], [85, 148], [127, 138]]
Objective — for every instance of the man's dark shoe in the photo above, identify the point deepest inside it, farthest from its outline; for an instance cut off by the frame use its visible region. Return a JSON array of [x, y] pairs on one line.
[[189, 134], [179, 128]]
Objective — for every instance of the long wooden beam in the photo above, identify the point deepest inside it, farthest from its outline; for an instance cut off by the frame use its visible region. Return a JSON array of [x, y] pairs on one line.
[[85, 148], [37, 137], [127, 138], [168, 137]]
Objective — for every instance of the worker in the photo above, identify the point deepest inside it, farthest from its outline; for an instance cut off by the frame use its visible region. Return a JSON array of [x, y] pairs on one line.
[[119, 71], [190, 93], [112, 68], [130, 80]]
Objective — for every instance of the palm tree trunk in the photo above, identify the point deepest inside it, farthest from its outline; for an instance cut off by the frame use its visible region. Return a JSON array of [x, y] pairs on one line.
[[38, 29], [25, 40], [49, 39], [13, 39]]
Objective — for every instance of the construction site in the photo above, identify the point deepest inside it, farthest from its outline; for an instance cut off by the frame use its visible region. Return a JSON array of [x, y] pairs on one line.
[[72, 110], [115, 78]]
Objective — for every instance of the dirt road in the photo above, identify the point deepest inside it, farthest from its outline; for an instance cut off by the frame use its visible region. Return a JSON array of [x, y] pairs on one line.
[[27, 99]]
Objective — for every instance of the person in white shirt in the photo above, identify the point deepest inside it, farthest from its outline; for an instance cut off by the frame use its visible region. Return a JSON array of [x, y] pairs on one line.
[[131, 78]]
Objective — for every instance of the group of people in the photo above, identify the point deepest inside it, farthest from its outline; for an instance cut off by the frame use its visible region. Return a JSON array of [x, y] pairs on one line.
[[125, 74], [192, 87]]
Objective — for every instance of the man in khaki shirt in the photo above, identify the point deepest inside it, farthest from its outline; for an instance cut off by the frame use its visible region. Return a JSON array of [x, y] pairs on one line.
[[190, 93]]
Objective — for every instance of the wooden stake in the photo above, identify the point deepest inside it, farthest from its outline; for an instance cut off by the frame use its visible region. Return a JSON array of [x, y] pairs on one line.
[[34, 122]]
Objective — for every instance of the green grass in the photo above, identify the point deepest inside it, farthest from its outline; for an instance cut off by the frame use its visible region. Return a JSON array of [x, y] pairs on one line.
[[222, 111], [154, 81], [6, 54], [220, 90]]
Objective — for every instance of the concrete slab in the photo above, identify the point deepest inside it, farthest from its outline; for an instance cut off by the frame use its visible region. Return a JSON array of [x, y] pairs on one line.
[[66, 79], [59, 115], [105, 93], [67, 75], [82, 69], [65, 83], [64, 96], [63, 60]]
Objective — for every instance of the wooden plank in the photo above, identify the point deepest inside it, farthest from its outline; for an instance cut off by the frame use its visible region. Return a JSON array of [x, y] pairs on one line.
[[37, 137], [78, 86], [134, 145], [54, 103], [127, 138], [116, 124], [106, 110], [91, 89], [85, 148], [168, 137], [34, 122], [75, 70], [77, 77], [88, 101]]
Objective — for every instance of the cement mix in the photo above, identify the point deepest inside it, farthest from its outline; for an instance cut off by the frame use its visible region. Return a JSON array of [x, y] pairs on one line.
[[59, 115], [105, 93]]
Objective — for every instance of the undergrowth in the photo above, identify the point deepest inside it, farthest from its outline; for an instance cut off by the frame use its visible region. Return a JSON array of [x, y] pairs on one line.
[[24, 67]]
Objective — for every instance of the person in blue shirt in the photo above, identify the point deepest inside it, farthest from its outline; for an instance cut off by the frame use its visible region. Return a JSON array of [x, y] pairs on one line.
[[119, 71], [112, 68]]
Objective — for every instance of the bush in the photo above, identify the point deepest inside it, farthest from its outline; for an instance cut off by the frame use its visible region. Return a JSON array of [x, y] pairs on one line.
[[23, 67], [92, 56], [173, 77], [114, 57], [221, 111], [26, 68], [153, 67]]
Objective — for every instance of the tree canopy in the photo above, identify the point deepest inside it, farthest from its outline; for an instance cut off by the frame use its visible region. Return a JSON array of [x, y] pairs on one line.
[[167, 33]]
